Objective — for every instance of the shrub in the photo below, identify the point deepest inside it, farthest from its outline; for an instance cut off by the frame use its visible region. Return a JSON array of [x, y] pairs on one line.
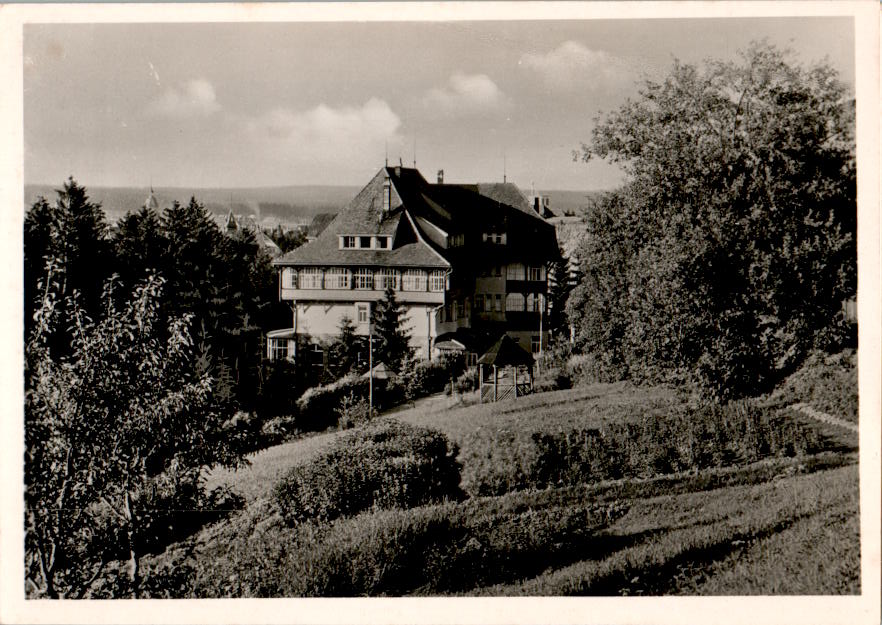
[[386, 464], [426, 377], [466, 382], [826, 382], [697, 437], [354, 412], [552, 380], [438, 548]]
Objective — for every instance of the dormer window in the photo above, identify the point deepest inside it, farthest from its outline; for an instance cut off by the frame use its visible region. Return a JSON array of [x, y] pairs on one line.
[[365, 242], [384, 243], [347, 243]]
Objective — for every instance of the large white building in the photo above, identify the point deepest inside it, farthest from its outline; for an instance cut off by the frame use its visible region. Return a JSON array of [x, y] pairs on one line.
[[467, 261]]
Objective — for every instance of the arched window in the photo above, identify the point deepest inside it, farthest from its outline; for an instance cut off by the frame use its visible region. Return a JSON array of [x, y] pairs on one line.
[[534, 302], [514, 302]]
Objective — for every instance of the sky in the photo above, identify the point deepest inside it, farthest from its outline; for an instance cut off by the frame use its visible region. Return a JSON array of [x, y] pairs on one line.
[[275, 104]]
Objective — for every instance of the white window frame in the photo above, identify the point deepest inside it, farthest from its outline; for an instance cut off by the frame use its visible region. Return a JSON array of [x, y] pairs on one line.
[[383, 277], [536, 274], [337, 278], [386, 242], [278, 349], [362, 309], [437, 281], [363, 279], [414, 280], [515, 302], [289, 278], [311, 278]]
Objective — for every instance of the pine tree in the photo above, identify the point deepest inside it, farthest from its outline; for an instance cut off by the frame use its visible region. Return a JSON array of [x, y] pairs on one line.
[[392, 338], [344, 351], [559, 291]]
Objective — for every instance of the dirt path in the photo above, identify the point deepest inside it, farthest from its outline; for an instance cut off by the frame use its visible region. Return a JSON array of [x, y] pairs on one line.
[[823, 416]]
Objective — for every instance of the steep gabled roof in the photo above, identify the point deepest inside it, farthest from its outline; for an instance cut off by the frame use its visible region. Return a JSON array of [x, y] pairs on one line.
[[364, 216], [319, 223]]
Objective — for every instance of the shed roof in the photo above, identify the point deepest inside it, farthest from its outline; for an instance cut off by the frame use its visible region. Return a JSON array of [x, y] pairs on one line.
[[506, 352]]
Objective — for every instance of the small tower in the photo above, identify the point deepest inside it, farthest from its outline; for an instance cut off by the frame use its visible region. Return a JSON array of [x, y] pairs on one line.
[[151, 203]]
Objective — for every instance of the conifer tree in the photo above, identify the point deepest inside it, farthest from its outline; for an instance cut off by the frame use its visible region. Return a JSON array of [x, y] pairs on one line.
[[391, 336]]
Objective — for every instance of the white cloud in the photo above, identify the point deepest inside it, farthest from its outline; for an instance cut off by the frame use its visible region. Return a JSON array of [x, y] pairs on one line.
[[573, 65], [466, 94], [324, 133], [195, 97]]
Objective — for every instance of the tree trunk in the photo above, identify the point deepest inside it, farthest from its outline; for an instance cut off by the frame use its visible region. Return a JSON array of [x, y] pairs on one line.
[[134, 569]]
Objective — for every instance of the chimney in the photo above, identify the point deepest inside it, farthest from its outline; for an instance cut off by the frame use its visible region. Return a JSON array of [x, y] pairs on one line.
[[387, 194], [440, 176]]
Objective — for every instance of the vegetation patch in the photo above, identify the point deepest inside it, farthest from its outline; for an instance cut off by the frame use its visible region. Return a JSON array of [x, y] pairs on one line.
[[386, 464]]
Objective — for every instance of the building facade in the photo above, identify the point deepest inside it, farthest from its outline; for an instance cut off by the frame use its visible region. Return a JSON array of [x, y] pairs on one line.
[[468, 262]]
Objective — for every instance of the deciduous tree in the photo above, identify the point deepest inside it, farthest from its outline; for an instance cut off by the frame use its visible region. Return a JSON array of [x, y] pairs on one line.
[[726, 256]]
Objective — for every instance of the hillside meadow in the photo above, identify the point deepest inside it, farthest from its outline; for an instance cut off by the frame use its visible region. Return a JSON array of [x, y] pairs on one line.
[[536, 517]]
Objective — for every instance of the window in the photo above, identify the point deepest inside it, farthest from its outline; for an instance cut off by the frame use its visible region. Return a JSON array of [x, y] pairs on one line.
[[362, 313], [414, 280], [383, 243], [488, 304], [289, 278], [534, 302], [364, 242], [514, 302], [311, 278], [347, 242], [460, 309], [337, 278], [278, 349], [386, 278], [535, 344], [497, 271], [515, 271], [479, 303], [363, 279], [436, 280], [536, 273], [457, 240], [498, 302]]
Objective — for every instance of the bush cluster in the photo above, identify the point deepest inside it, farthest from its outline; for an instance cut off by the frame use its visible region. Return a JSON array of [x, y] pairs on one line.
[[432, 549], [386, 464], [689, 439], [425, 377], [828, 382]]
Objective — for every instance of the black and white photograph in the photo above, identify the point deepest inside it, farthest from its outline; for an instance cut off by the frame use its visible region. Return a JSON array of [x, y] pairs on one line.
[[458, 303]]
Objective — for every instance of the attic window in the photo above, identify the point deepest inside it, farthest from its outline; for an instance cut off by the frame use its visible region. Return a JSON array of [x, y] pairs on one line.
[[383, 243], [347, 243], [364, 243]]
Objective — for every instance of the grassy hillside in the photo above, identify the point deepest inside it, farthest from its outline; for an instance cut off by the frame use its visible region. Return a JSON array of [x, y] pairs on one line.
[[785, 523]]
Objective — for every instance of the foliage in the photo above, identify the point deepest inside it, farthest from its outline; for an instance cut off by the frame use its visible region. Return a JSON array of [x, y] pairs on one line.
[[354, 412], [743, 170], [827, 382], [345, 350], [392, 337], [287, 240], [114, 430], [382, 465], [73, 233], [427, 377], [559, 292], [467, 381]]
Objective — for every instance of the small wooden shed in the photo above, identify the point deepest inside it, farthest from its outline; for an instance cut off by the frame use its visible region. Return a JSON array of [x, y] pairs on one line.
[[505, 370]]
